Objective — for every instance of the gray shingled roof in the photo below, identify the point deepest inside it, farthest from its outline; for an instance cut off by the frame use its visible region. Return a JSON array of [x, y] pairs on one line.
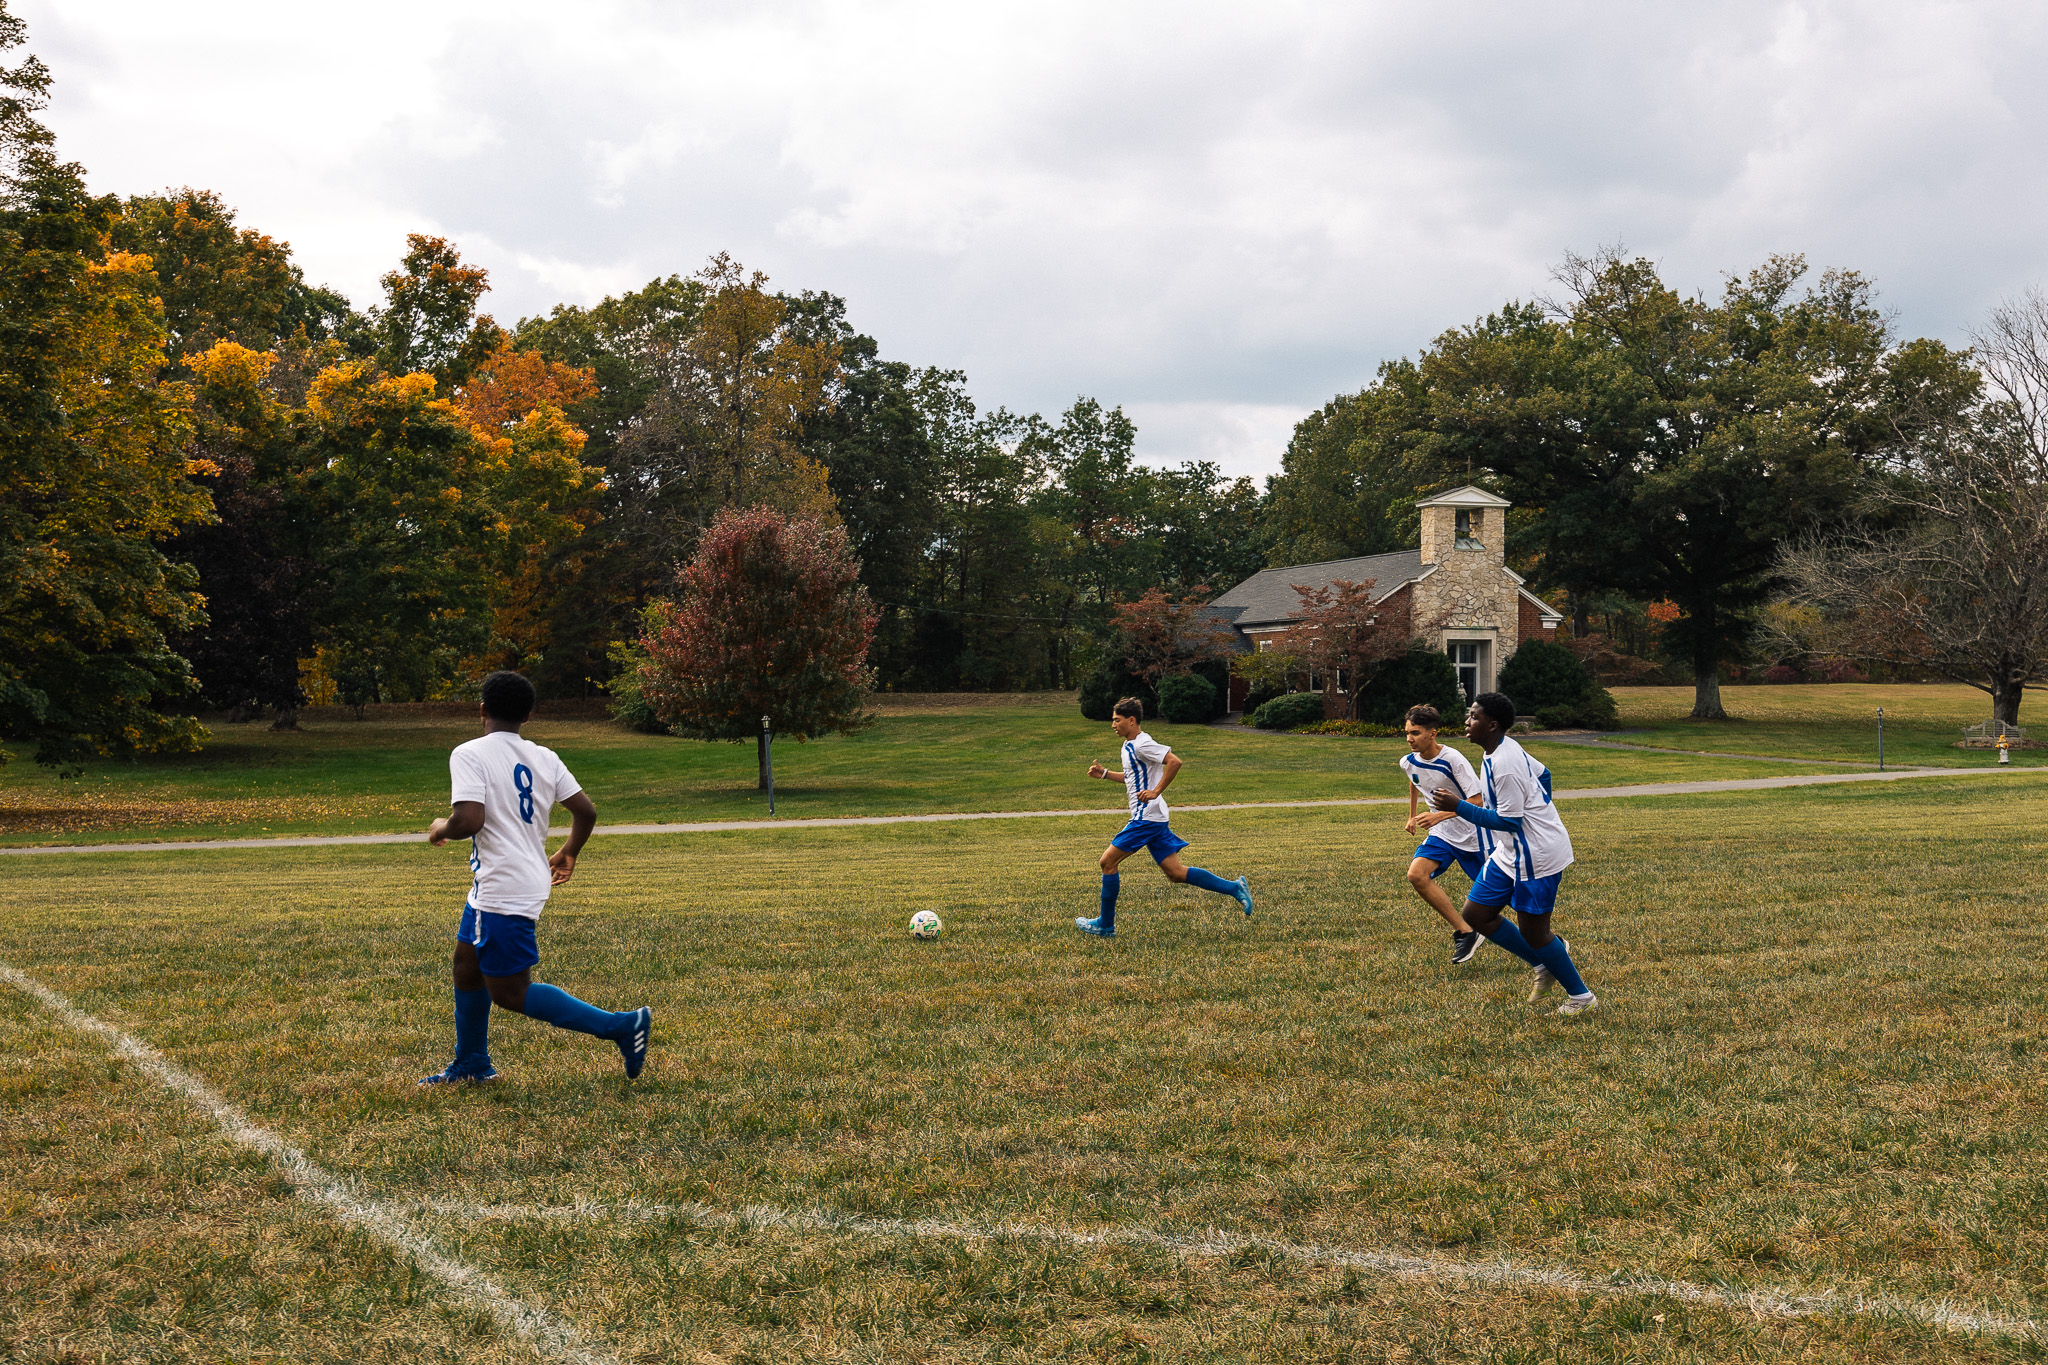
[[1268, 596]]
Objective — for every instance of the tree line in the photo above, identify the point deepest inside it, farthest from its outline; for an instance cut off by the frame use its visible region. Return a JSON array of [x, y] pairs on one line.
[[231, 488]]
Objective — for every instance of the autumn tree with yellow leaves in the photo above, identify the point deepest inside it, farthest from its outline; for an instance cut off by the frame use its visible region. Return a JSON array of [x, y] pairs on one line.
[[93, 453]]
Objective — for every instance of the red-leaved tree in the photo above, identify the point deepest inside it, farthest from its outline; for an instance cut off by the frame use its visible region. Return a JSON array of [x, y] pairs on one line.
[[1161, 634], [771, 621], [1341, 629]]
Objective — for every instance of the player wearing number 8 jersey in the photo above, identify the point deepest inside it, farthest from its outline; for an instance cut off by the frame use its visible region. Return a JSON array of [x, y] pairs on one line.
[[504, 788]]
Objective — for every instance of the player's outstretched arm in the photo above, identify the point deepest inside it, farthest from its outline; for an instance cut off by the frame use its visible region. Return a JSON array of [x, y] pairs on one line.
[[582, 820], [463, 819]]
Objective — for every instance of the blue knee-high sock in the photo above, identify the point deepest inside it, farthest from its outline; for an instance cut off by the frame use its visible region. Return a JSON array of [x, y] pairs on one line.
[[553, 1005], [1509, 937], [472, 1025], [1111, 883], [1209, 881], [1554, 956]]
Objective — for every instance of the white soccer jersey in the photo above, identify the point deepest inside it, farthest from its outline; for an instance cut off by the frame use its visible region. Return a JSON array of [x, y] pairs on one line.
[[519, 783], [1518, 787], [1449, 770], [1143, 760]]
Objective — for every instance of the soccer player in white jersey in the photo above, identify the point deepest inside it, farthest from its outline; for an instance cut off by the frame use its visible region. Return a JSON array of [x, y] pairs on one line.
[[505, 786], [1148, 768], [1431, 767], [1527, 851]]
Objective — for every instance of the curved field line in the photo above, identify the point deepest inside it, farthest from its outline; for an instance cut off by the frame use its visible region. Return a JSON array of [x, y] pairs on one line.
[[553, 1338]]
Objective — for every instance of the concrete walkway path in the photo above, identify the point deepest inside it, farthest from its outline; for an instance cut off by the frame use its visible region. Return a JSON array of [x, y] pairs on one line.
[[1591, 740], [1736, 784]]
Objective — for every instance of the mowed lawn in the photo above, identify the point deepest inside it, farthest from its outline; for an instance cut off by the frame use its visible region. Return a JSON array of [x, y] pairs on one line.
[[1922, 722], [1815, 1070], [345, 777]]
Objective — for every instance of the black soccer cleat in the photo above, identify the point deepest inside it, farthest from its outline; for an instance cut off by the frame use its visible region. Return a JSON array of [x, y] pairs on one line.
[[1464, 945], [633, 1042]]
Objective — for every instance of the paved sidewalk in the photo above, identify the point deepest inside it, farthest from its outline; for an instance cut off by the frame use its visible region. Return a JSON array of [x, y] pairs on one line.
[[1598, 741], [1735, 784]]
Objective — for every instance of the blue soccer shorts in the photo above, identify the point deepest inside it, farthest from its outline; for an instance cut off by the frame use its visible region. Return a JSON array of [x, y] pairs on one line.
[[1531, 895], [1443, 855], [1156, 835], [504, 944]]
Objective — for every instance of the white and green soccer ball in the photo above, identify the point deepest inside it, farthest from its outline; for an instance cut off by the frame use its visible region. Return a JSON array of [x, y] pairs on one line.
[[924, 924]]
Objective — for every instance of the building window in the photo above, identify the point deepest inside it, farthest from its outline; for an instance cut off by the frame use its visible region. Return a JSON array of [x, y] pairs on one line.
[[1470, 522], [1469, 658]]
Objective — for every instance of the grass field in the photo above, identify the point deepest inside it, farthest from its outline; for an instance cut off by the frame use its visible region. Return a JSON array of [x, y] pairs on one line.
[[341, 777], [1922, 722], [1815, 1071]]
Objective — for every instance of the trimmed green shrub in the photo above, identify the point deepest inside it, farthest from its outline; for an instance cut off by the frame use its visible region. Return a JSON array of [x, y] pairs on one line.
[[1421, 677], [1259, 696], [1289, 711], [1548, 681], [1187, 699], [1111, 683]]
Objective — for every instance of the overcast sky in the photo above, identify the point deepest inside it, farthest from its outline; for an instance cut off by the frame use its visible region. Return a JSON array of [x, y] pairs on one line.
[[1218, 216]]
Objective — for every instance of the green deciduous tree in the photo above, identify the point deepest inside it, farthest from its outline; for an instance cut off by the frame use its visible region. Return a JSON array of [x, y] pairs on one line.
[[1350, 477], [405, 549], [1666, 445], [93, 466], [219, 282], [428, 323]]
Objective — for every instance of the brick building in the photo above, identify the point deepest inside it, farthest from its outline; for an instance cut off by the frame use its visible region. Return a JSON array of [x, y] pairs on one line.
[[1458, 574]]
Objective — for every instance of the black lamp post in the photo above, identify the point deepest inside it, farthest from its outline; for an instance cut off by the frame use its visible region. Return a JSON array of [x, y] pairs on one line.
[[768, 760]]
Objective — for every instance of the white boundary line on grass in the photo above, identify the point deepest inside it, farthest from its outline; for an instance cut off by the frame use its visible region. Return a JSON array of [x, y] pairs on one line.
[[554, 1339], [1214, 1243], [1728, 784]]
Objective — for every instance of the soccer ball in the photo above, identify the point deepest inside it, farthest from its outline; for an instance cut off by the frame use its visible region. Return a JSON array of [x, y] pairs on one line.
[[924, 924]]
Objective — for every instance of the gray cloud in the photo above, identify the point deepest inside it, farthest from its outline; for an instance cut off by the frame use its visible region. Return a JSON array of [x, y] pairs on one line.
[[1216, 215]]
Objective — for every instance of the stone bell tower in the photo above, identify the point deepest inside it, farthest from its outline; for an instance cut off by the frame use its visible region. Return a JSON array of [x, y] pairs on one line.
[[1466, 602]]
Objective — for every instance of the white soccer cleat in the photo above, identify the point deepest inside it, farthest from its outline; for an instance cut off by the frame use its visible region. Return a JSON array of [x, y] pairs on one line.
[[1577, 1004], [1545, 978]]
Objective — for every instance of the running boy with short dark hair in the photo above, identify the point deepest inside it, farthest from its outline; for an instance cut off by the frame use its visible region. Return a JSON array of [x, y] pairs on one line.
[[1431, 767], [505, 786], [1527, 852], [1149, 767]]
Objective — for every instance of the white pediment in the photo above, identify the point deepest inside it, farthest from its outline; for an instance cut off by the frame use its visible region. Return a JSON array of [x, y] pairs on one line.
[[1468, 496]]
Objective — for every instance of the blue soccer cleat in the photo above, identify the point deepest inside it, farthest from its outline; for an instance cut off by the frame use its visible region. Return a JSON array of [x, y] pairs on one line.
[[462, 1073], [633, 1042], [1095, 927], [1244, 895]]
